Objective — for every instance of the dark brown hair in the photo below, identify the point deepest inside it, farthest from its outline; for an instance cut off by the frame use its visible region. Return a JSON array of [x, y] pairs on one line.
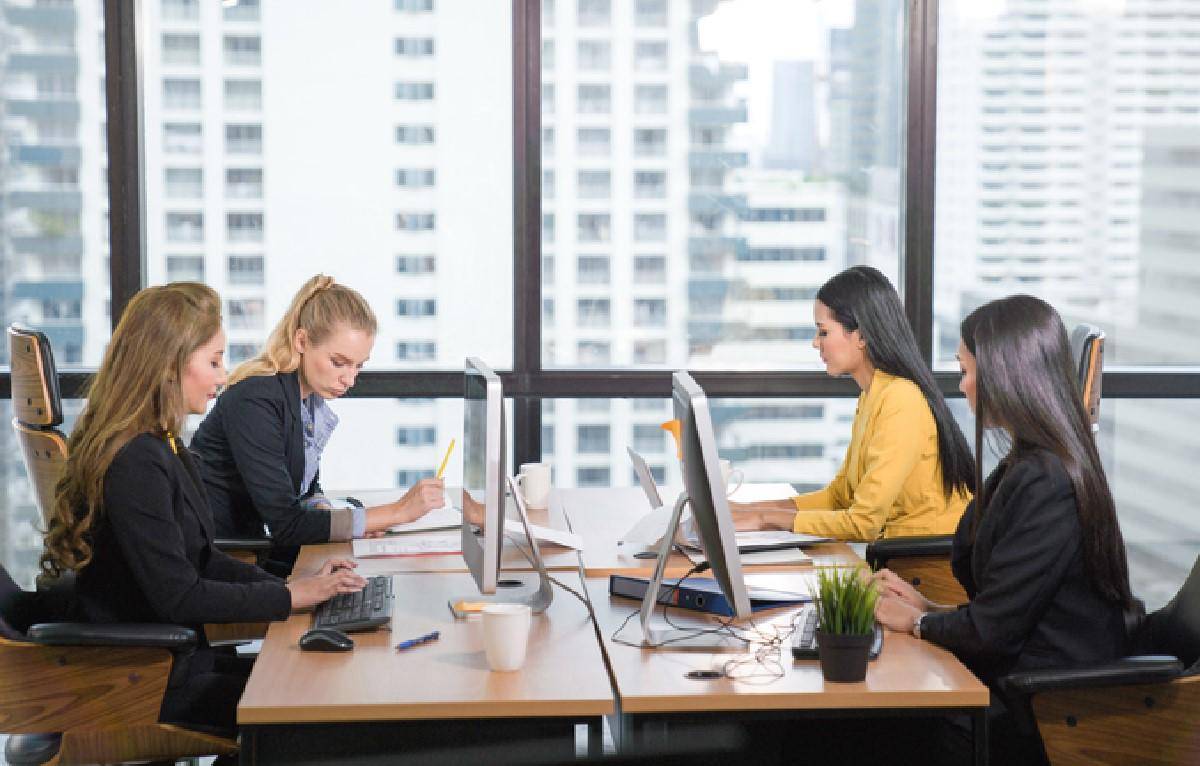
[[1025, 384]]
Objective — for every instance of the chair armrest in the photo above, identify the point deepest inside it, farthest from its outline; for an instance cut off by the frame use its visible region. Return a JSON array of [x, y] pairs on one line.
[[173, 637], [880, 551], [243, 543], [1146, 669]]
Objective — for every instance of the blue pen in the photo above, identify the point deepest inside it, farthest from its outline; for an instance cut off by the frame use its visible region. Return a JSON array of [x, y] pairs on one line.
[[410, 643]]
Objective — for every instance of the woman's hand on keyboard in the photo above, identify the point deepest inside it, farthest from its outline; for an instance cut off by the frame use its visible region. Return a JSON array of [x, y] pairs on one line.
[[332, 565], [309, 591]]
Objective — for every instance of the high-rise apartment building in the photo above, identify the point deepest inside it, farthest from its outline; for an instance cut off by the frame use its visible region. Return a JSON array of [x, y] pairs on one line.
[[1156, 442], [1039, 149], [53, 215]]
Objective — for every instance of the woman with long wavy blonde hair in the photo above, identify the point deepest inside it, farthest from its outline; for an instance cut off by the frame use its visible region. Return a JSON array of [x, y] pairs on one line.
[[131, 516], [262, 442]]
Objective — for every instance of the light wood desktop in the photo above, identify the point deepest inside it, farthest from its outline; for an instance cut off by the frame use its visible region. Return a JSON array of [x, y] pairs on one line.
[[651, 685], [564, 678]]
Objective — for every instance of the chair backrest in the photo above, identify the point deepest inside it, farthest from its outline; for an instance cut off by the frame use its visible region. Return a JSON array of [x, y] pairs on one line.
[[1175, 629], [45, 452], [14, 608], [36, 400], [1087, 348]]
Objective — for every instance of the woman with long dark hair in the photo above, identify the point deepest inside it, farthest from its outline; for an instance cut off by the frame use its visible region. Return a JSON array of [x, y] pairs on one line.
[[1039, 551], [908, 469]]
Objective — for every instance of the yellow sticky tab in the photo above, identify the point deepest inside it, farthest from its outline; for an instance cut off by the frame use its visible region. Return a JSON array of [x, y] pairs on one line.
[[462, 607], [673, 427]]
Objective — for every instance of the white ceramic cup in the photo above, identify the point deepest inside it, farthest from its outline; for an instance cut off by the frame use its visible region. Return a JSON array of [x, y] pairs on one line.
[[535, 484], [505, 635], [729, 473]]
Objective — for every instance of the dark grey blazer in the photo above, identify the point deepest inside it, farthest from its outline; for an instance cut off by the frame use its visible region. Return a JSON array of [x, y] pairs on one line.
[[252, 449], [153, 555], [1032, 604]]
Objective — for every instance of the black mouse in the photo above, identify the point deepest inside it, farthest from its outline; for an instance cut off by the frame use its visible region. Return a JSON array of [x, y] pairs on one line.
[[326, 640]]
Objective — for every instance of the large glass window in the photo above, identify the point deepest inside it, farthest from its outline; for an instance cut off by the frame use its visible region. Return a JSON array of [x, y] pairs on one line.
[[388, 174], [1068, 167], [21, 523], [793, 441], [728, 159]]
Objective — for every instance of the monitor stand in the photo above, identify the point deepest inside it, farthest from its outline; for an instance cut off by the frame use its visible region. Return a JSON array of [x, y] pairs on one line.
[[507, 589], [677, 638]]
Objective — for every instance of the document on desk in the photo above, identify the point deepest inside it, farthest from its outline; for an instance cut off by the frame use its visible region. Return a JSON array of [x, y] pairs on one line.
[[791, 556], [439, 519], [544, 534], [406, 545]]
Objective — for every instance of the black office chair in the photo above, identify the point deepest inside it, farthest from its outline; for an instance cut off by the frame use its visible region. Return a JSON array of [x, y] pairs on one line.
[[924, 561], [1087, 348], [37, 411], [79, 693], [1140, 709]]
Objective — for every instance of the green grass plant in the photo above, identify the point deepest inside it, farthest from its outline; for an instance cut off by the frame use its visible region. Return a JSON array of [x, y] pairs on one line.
[[845, 600]]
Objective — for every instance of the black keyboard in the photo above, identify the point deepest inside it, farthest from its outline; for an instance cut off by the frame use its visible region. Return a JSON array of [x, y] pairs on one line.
[[804, 640], [366, 609]]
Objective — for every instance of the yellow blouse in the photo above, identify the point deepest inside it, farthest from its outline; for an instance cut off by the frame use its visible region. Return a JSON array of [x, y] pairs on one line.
[[890, 484]]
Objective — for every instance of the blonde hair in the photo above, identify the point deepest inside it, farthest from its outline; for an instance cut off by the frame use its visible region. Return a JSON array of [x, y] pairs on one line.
[[319, 307], [136, 390]]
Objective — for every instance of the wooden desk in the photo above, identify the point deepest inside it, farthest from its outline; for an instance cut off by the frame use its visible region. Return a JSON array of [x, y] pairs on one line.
[[909, 675], [439, 696]]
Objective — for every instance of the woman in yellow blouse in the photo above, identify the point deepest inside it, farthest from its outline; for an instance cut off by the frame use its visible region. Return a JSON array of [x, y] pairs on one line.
[[908, 470]]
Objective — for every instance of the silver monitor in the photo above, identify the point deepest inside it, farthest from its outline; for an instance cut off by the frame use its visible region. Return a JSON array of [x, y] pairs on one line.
[[483, 472], [485, 483], [714, 522]]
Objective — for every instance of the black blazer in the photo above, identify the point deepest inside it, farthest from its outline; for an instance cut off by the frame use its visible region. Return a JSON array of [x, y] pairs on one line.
[[1032, 604], [153, 558], [252, 448]]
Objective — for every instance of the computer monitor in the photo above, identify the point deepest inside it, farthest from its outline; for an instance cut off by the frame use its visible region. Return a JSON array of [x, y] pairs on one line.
[[485, 482], [483, 471], [704, 492]]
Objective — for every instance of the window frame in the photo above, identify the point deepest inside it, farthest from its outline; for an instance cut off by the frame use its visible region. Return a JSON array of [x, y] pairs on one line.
[[528, 382]]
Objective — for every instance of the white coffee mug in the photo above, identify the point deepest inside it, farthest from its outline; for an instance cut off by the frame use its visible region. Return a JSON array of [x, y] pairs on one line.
[[535, 484], [505, 635], [728, 473]]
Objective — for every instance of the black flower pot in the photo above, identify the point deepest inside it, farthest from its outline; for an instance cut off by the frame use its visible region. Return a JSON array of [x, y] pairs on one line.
[[843, 658]]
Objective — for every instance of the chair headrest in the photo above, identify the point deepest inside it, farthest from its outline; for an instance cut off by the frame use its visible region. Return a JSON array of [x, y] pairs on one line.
[[22, 337]]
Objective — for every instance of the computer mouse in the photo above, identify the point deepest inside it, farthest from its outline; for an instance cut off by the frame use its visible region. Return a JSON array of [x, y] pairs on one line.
[[326, 640]]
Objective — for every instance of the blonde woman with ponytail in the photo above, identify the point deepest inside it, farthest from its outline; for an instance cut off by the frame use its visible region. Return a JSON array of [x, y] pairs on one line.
[[261, 444], [131, 516]]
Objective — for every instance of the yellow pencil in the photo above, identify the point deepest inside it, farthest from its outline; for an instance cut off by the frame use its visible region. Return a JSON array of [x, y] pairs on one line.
[[442, 467]]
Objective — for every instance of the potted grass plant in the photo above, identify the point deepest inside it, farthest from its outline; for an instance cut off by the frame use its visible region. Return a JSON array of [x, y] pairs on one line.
[[845, 602]]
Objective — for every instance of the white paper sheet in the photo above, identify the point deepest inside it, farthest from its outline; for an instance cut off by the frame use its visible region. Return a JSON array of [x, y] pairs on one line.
[[437, 519], [407, 545], [545, 534], [761, 558]]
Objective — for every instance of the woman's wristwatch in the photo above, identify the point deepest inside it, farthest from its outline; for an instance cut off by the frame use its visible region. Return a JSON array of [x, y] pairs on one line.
[[916, 630]]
